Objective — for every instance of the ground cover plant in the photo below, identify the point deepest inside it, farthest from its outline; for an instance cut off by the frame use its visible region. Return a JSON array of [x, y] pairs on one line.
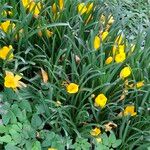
[[72, 77]]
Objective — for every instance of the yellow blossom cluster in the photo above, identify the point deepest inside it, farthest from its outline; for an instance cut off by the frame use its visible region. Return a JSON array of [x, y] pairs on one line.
[[7, 26], [32, 6]]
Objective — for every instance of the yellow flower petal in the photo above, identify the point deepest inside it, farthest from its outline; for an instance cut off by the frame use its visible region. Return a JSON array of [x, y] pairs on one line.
[[72, 88], [54, 8], [4, 51], [120, 57], [140, 84], [61, 4], [49, 33], [5, 26], [101, 100], [82, 8], [97, 42], [52, 148], [35, 8], [89, 7], [125, 72], [129, 110], [26, 3], [109, 60], [104, 35], [99, 140], [95, 132], [18, 77], [9, 73], [11, 81], [121, 48]]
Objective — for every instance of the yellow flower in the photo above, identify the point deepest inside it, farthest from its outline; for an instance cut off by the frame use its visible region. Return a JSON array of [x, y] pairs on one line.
[[35, 8], [140, 84], [52, 148], [55, 11], [5, 51], [72, 88], [99, 140], [109, 60], [26, 3], [111, 20], [95, 132], [89, 7], [97, 42], [49, 33], [118, 49], [101, 100], [120, 57], [117, 45], [5, 26], [82, 8], [121, 48], [11, 81], [104, 35], [54, 8], [129, 110], [125, 72], [61, 4]]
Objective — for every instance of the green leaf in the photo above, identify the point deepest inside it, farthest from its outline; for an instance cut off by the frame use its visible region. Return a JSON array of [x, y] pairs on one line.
[[28, 145], [9, 93], [116, 144], [17, 127], [36, 121], [28, 131], [17, 111], [36, 146], [100, 146], [3, 129], [5, 139], [81, 144], [6, 118], [15, 136], [48, 139], [25, 105], [11, 147], [105, 139], [112, 138]]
